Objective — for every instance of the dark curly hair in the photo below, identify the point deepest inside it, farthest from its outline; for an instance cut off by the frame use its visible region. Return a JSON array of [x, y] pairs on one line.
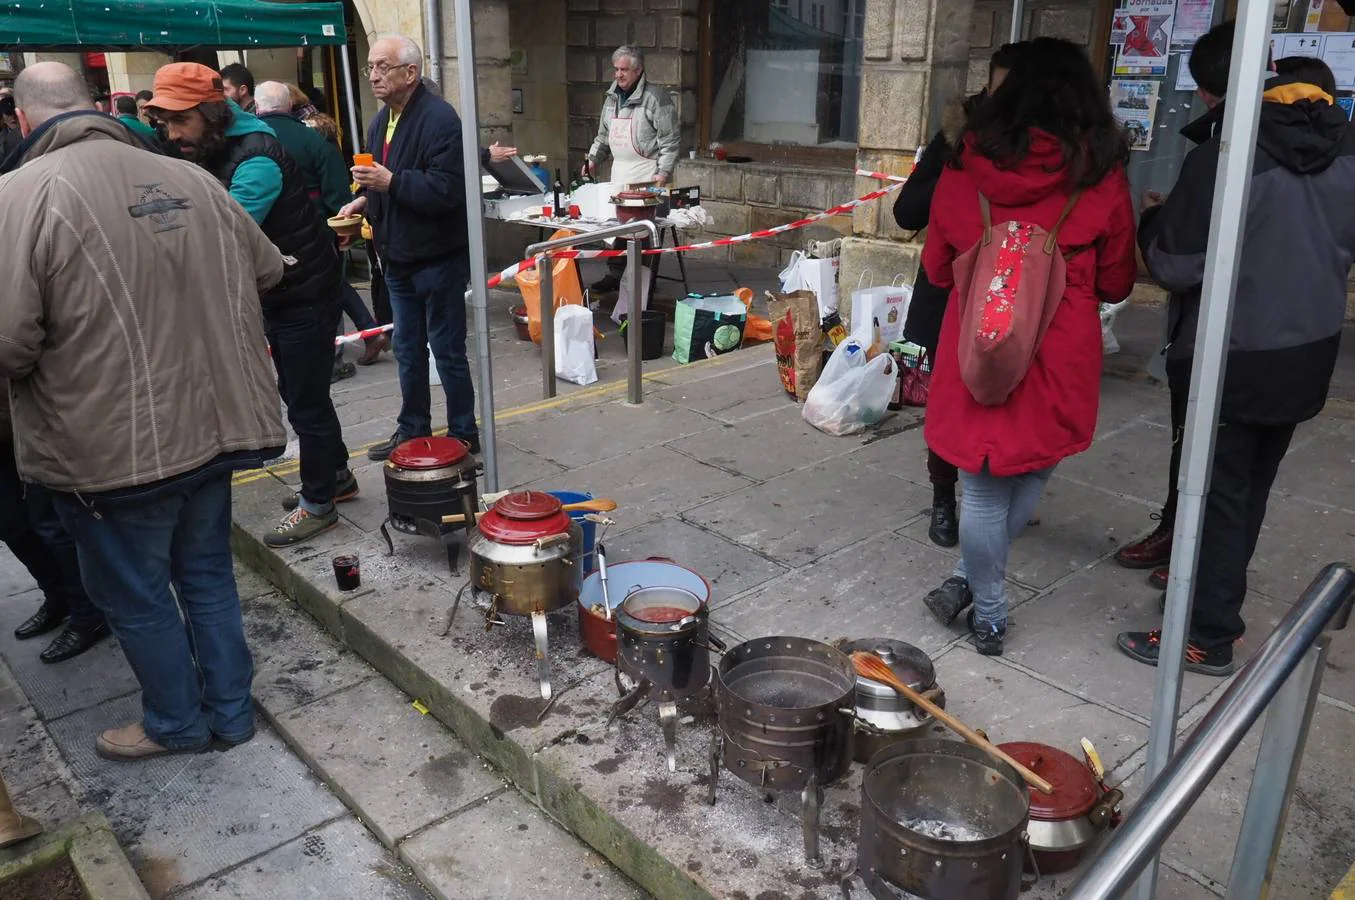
[[1053, 87]]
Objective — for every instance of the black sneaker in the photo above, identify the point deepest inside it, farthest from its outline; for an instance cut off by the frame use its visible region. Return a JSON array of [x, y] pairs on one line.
[[945, 527], [949, 600], [381, 452], [987, 638], [471, 441], [346, 489], [1143, 646], [341, 371]]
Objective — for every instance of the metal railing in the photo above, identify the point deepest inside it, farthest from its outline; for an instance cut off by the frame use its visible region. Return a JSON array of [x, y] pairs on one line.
[[1284, 676], [634, 323]]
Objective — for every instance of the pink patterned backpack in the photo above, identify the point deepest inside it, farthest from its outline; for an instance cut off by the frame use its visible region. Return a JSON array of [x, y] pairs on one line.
[[1009, 285]]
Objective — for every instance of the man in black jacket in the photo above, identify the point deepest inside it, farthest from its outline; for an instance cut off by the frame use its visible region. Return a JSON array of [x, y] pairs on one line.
[[415, 198], [1298, 244]]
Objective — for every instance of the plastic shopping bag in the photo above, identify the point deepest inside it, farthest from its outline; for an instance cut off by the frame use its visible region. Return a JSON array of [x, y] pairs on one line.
[[818, 275], [574, 345], [1109, 311], [852, 392]]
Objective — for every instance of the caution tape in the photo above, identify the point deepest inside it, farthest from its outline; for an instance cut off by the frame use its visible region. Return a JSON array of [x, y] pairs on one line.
[[356, 336], [896, 182]]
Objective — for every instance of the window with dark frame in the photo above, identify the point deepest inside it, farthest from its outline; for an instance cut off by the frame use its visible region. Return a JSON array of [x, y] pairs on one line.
[[784, 76]]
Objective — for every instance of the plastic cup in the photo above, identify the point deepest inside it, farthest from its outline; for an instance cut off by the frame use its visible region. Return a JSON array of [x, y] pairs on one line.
[[364, 159], [574, 211], [347, 572]]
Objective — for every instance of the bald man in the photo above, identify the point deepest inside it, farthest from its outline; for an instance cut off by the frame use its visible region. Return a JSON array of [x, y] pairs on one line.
[[132, 334], [415, 198]]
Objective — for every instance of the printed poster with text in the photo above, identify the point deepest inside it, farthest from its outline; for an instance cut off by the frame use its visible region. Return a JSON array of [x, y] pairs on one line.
[[1134, 103], [1148, 39]]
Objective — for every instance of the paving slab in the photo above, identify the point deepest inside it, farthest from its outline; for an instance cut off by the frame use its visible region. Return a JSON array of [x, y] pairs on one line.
[[1123, 401], [518, 466], [730, 568], [870, 589], [1298, 538], [903, 455], [260, 796], [769, 445], [1131, 461], [734, 395], [648, 484], [50, 803], [401, 768], [335, 860], [612, 430], [799, 517], [507, 848]]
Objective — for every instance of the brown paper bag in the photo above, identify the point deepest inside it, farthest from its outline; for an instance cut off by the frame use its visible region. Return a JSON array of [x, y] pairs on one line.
[[798, 339]]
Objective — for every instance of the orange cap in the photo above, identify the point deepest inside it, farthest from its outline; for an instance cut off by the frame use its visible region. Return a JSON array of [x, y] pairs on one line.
[[180, 86]]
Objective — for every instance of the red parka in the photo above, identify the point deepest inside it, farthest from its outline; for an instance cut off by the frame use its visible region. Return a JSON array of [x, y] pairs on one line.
[[1052, 412]]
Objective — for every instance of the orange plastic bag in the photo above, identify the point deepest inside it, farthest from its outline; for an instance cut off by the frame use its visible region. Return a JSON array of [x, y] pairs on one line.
[[759, 328], [565, 284]]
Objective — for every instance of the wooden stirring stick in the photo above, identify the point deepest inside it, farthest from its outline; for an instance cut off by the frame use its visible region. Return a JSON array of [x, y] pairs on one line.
[[869, 665], [597, 506]]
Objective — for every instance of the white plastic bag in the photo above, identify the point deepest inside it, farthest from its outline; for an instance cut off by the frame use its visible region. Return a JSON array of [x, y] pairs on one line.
[[804, 273], [574, 345], [887, 304], [852, 392], [1109, 311]]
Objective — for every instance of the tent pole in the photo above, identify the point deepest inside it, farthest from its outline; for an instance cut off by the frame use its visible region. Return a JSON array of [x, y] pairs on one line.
[[432, 16], [351, 90], [478, 292], [1232, 188]]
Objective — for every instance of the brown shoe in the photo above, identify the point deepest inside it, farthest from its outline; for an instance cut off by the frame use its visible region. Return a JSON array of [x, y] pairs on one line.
[[375, 346], [130, 744], [1160, 577], [1151, 552], [14, 826]]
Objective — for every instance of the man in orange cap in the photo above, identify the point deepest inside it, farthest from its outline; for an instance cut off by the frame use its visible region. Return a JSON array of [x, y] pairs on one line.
[[301, 314]]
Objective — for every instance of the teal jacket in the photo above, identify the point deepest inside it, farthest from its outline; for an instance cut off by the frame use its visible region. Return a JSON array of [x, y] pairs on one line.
[[141, 129], [257, 182], [327, 178]]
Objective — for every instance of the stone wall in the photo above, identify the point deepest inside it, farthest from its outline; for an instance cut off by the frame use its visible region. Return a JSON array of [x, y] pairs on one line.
[[666, 30], [535, 31]]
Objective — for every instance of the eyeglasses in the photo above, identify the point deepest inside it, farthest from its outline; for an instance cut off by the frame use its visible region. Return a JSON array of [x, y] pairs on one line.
[[382, 69]]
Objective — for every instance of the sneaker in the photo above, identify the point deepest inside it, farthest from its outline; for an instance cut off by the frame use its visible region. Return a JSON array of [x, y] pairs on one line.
[[374, 346], [1151, 552], [130, 744], [342, 371], [381, 452], [945, 527], [300, 525], [345, 490], [987, 638], [949, 600], [1159, 578], [471, 441], [1143, 646]]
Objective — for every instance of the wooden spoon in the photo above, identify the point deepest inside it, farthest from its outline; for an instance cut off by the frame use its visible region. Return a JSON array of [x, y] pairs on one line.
[[869, 665], [597, 506]]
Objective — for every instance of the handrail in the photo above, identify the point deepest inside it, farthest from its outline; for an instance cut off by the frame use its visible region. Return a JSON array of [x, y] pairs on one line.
[[1325, 605], [546, 275]]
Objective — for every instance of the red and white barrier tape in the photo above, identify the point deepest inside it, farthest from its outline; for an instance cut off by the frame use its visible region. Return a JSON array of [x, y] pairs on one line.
[[896, 182], [356, 336]]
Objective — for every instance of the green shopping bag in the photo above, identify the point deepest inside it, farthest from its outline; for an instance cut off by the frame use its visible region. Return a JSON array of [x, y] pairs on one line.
[[708, 326]]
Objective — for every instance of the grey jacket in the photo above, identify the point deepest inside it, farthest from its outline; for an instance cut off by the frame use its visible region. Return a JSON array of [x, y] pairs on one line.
[[131, 326], [657, 132]]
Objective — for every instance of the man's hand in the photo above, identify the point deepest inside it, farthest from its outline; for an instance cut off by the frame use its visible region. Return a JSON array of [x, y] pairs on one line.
[[661, 179], [375, 177], [356, 208], [499, 154], [1153, 198], [587, 170]]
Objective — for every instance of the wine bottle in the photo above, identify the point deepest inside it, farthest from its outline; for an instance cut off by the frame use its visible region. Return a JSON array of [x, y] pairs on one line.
[[559, 189]]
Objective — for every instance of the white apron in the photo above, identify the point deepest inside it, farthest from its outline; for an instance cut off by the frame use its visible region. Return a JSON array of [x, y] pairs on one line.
[[628, 166]]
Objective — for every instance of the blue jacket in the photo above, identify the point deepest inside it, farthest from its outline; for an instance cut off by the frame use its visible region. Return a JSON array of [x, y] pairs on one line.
[[422, 218]]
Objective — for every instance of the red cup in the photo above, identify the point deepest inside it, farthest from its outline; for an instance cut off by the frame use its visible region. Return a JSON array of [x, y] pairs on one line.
[[547, 211], [574, 211]]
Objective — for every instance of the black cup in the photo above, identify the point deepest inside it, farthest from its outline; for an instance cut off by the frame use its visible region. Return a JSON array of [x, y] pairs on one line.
[[347, 572]]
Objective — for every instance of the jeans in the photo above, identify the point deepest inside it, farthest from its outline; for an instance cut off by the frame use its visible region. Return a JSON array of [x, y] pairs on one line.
[[1246, 461], [189, 655], [302, 342], [993, 510], [352, 304], [430, 312], [30, 528]]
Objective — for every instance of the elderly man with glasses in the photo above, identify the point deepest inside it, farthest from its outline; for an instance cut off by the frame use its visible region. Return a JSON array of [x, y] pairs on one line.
[[414, 196]]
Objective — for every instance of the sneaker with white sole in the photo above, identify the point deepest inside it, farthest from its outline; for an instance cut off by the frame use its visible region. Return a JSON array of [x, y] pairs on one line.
[[300, 525]]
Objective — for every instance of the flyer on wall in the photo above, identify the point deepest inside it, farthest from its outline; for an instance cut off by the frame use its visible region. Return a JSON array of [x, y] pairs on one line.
[[1148, 39], [1338, 52], [1194, 18], [1134, 103], [1347, 104], [1326, 15]]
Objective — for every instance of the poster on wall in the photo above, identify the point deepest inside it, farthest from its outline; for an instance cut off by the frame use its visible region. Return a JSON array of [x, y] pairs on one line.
[[1326, 15], [1347, 104], [1119, 27], [1338, 52], [1148, 40], [1184, 80], [1194, 18], [1134, 103]]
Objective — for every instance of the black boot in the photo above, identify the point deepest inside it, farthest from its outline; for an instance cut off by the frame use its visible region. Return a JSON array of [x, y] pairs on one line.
[[945, 527]]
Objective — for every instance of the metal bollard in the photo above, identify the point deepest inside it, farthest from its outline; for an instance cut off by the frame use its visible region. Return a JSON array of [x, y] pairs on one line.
[[635, 324], [544, 266]]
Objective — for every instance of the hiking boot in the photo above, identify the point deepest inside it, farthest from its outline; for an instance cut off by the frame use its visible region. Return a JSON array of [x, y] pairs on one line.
[[1151, 552], [72, 642], [300, 525], [345, 490], [1143, 646], [472, 442], [1159, 578], [374, 346], [381, 452], [944, 530], [130, 744], [987, 638], [947, 601]]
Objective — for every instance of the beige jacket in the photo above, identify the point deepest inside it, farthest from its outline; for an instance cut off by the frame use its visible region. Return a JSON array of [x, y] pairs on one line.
[[130, 324]]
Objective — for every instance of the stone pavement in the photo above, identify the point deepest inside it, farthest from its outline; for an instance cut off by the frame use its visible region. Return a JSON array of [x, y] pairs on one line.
[[805, 534]]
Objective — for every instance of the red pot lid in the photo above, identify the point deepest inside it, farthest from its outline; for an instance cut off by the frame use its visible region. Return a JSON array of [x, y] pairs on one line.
[[429, 453], [1075, 788], [524, 517]]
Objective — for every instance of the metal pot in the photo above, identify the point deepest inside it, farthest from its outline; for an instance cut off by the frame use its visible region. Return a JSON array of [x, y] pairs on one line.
[[599, 632], [883, 717], [524, 553], [428, 478], [633, 205], [1065, 824], [913, 783]]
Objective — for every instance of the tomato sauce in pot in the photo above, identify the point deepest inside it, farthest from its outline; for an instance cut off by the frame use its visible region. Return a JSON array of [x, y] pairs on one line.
[[660, 615]]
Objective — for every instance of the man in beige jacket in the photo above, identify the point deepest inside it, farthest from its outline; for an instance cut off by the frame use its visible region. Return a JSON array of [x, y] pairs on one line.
[[131, 331]]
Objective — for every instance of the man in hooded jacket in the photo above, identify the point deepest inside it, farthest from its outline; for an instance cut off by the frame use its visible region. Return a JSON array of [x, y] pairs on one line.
[[1298, 244]]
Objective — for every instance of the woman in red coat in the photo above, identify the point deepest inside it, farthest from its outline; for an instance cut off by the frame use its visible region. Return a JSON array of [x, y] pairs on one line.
[[1045, 134]]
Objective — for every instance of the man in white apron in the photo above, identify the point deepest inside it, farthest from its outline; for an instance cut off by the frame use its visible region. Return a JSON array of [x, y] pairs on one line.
[[639, 130]]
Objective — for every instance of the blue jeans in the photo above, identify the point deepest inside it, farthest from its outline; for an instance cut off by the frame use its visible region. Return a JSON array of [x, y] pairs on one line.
[[189, 655], [993, 510], [430, 312]]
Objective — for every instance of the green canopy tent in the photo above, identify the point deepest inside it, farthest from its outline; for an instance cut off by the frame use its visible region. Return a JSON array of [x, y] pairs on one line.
[[168, 25]]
